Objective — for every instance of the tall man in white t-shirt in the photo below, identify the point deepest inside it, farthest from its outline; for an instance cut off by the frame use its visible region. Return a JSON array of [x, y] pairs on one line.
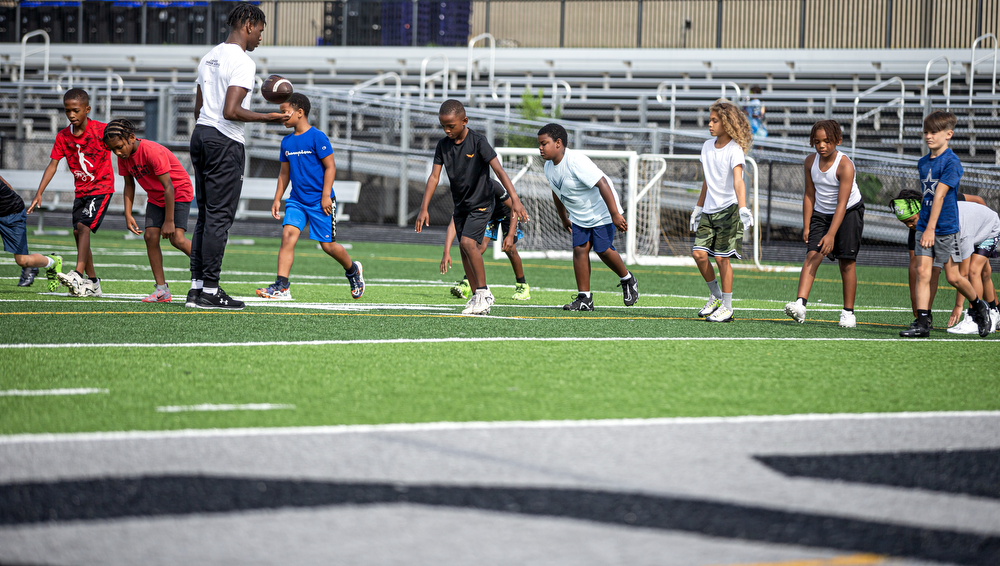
[[222, 105], [589, 209]]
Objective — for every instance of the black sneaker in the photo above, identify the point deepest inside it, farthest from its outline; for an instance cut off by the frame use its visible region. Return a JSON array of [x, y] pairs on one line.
[[580, 303], [192, 298], [219, 300], [917, 329], [357, 281], [630, 290], [981, 314], [27, 276]]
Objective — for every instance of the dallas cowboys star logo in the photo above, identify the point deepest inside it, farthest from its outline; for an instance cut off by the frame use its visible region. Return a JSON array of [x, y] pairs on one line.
[[929, 184]]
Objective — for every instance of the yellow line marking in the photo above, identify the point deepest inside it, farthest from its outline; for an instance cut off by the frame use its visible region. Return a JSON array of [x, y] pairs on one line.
[[850, 560]]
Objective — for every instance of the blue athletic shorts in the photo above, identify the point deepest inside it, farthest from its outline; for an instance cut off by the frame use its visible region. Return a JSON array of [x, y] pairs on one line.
[[322, 228], [502, 225], [14, 234], [601, 237]]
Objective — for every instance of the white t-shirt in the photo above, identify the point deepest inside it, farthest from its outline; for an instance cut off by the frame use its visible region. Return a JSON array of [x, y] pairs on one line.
[[828, 187], [977, 223], [718, 165], [224, 66], [574, 181]]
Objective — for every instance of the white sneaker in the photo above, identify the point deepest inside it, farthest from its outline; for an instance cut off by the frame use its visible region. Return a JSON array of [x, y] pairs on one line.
[[72, 281], [721, 314], [711, 306], [798, 312], [965, 326], [994, 319], [483, 305], [473, 301], [90, 288], [847, 319]]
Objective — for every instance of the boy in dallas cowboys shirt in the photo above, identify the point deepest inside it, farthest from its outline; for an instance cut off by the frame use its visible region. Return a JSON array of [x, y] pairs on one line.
[[307, 161], [937, 230]]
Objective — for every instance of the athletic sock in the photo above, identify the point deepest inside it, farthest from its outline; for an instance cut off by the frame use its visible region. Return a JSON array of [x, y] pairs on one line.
[[713, 288], [282, 281], [727, 300], [585, 294], [50, 263], [352, 271], [80, 275], [803, 301], [197, 283], [210, 290], [992, 304], [923, 314], [627, 276], [163, 287], [851, 310], [93, 279], [521, 280]]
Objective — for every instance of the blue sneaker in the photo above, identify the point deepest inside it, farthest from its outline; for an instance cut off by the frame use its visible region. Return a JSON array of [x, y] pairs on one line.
[[357, 281], [275, 291]]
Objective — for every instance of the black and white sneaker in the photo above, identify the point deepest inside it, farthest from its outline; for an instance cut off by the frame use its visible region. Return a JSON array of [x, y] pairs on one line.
[[580, 303], [220, 300], [27, 276], [917, 329], [630, 290], [981, 314], [192, 299]]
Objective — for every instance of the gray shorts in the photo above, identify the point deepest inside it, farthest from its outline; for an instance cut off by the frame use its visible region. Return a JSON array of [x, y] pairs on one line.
[[945, 247], [155, 215]]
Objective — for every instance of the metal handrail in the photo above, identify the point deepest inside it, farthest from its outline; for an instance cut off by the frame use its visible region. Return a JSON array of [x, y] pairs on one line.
[[376, 79], [443, 73], [973, 61], [928, 83], [857, 99], [24, 51], [493, 58], [555, 94], [673, 89], [111, 77]]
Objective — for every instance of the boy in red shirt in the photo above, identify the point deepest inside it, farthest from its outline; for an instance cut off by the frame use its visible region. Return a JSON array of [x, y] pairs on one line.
[[90, 162], [169, 195]]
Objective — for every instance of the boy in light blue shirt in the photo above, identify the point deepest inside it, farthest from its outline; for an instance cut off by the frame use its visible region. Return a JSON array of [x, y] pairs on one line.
[[307, 162], [589, 208]]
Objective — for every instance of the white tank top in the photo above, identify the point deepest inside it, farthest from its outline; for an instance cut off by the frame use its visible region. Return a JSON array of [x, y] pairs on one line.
[[828, 187]]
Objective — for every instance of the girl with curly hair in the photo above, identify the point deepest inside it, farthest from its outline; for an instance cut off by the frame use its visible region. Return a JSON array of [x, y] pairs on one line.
[[722, 215]]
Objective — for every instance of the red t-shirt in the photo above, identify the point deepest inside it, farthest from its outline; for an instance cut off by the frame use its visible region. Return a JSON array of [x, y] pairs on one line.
[[87, 158], [147, 163]]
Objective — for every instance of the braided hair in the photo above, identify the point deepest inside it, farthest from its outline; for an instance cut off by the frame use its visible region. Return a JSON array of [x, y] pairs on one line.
[[122, 129], [244, 13]]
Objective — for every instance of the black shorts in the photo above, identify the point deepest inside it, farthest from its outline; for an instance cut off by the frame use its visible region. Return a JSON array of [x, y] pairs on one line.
[[91, 210], [848, 240], [473, 224], [155, 215]]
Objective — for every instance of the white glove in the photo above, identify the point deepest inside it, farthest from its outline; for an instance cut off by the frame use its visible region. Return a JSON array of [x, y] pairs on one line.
[[695, 218], [746, 217]]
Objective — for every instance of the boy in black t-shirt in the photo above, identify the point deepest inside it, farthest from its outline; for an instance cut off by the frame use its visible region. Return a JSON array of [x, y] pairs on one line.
[[13, 232], [468, 158]]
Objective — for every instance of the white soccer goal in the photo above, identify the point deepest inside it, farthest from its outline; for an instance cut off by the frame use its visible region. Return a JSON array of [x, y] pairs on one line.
[[657, 191]]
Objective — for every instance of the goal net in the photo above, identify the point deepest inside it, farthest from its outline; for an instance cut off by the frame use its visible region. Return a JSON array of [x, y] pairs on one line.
[[657, 191]]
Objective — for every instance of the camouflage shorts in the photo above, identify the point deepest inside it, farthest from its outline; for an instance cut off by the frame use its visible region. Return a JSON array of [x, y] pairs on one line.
[[720, 234]]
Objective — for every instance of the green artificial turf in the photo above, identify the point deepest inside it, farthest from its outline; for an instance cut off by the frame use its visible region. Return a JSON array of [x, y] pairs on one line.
[[685, 371]]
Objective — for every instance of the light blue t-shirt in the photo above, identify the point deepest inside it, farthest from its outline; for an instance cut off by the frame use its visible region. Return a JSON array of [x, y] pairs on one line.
[[304, 154], [945, 168], [574, 181]]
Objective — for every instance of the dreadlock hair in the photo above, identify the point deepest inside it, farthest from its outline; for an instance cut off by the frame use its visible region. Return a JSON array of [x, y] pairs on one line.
[[910, 194], [556, 132], [451, 107], [77, 94], [301, 102], [832, 129], [244, 13], [734, 122], [122, 129]]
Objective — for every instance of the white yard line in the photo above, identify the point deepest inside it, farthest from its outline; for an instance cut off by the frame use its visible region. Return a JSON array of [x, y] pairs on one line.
[[498, 339], [480, 425], [224, 407], [44, 392]]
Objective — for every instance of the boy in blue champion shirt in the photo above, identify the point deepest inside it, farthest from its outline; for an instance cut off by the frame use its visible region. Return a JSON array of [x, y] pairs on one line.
[[937, 230], [307, 161]]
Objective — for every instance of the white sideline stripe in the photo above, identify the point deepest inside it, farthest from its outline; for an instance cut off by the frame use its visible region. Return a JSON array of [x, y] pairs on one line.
[[40, 392], [479, 425], [223, 407], [477, 339]]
